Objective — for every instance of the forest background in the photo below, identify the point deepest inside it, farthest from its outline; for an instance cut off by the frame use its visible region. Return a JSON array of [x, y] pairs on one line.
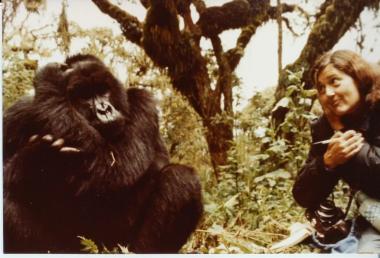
[[236, 112]]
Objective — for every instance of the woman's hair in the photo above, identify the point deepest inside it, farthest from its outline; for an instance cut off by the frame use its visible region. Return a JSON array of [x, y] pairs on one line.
[[366, 75]]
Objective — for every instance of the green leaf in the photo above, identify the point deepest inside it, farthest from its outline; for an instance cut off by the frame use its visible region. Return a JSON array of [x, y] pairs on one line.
[[310, 93], [279, 173], [284, 102], [244, 246], [215, 230], [211, 207], [230, 204], [88, 245], [291, 89], [124, 249]]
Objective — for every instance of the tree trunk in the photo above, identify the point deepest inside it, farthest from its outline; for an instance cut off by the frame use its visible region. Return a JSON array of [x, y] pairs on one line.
[[279, 25], [218, 148], [180, 53]]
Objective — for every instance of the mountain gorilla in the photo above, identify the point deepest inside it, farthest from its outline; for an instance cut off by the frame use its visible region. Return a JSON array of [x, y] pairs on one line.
[[84, 157]]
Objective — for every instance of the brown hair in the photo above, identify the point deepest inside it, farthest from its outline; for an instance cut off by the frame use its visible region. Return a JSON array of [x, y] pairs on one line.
[[366, 75]]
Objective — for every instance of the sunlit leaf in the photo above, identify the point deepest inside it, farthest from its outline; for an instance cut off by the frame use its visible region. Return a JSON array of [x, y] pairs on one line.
[[232, 202], [89, 246], [279, 173]]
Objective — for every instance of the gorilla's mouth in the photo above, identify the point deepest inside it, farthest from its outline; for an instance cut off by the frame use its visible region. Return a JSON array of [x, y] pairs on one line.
[[110, 126], [109, 115], [104, 110]]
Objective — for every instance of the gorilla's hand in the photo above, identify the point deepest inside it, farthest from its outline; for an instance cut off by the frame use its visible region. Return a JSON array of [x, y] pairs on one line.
[[45, 150], [45, 161], [46, 142]]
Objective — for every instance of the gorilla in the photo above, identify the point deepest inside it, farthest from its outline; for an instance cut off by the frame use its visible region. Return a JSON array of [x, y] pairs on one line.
[[84, 157]]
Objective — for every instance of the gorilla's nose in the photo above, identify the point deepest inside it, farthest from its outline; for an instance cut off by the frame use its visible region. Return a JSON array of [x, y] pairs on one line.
[[103, 108]]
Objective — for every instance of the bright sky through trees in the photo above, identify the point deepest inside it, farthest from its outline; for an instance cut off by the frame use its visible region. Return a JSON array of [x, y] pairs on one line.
[[258, 67]]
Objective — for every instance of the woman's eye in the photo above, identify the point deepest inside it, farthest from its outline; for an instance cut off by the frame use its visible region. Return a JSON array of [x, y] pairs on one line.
[[334, 82]]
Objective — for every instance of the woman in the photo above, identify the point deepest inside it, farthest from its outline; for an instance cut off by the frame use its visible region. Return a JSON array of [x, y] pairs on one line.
[[349, 93]]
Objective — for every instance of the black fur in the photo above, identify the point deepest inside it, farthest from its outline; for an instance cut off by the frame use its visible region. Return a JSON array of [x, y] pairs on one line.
[[120, 187]]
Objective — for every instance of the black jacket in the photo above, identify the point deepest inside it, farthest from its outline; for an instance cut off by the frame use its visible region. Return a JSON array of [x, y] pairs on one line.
[[314, 183]]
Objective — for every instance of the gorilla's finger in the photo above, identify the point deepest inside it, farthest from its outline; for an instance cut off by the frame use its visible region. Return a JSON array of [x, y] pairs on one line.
[[58, 143], [69, 149], [33, 138], [48, 138]]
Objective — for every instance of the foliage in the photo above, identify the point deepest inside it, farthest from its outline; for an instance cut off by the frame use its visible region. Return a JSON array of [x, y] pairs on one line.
[[17, 78], [89, 246], [252, 206], [63, 30]]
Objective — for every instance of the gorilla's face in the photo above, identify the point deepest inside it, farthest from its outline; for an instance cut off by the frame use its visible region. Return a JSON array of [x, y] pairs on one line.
[[94, 93]]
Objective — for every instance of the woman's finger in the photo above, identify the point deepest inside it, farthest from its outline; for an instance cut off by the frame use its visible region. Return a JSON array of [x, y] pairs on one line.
[[354, 140], [337, 134], [355, 150], [349, 134]]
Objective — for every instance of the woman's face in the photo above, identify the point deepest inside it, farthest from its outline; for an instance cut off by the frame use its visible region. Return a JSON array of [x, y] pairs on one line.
[[337, 91]]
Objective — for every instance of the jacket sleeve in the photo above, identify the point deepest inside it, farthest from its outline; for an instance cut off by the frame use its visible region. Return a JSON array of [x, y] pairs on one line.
[[365, 166], [314, 183]]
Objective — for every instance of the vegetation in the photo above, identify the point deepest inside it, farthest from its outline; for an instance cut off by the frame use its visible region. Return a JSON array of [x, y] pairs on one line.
[[248, 202]]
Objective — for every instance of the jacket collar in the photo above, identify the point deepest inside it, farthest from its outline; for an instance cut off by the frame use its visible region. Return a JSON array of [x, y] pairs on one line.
[[321, 129]]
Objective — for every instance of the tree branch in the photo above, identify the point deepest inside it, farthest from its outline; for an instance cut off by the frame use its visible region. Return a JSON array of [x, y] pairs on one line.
[[218, 51], [258, 14], [130, 25], [235, 54], [232, 15], [290, 28], [224, 81], [145, 3], [200, 6], [238, 14], [337, 19], [286, 8], [280, 36]]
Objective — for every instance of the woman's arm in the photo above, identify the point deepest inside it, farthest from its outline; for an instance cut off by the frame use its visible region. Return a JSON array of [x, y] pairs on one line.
[[364, 167], [314, 182]]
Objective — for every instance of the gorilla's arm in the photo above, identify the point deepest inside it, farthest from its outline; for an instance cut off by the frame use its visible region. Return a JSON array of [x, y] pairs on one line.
[[142, 102], [17, 127], [28, 157]]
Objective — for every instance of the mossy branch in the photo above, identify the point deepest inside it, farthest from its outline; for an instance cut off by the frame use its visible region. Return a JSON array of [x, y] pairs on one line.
[[129, 24]]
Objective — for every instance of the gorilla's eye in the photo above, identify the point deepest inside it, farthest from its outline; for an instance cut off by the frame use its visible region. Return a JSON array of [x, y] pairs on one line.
[[64, 67], [81, 92], [86, 95], [101, 89]]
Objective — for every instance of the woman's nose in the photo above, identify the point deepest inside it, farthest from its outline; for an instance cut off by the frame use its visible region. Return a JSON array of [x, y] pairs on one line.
[[330, 91]]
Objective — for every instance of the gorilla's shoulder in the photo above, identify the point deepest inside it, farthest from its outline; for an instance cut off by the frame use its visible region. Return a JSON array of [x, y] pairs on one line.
[[141, 99], [17, 109], [135, 92]]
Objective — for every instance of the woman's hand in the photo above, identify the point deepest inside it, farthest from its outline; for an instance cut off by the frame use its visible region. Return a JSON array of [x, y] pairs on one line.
[[342, 147]]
